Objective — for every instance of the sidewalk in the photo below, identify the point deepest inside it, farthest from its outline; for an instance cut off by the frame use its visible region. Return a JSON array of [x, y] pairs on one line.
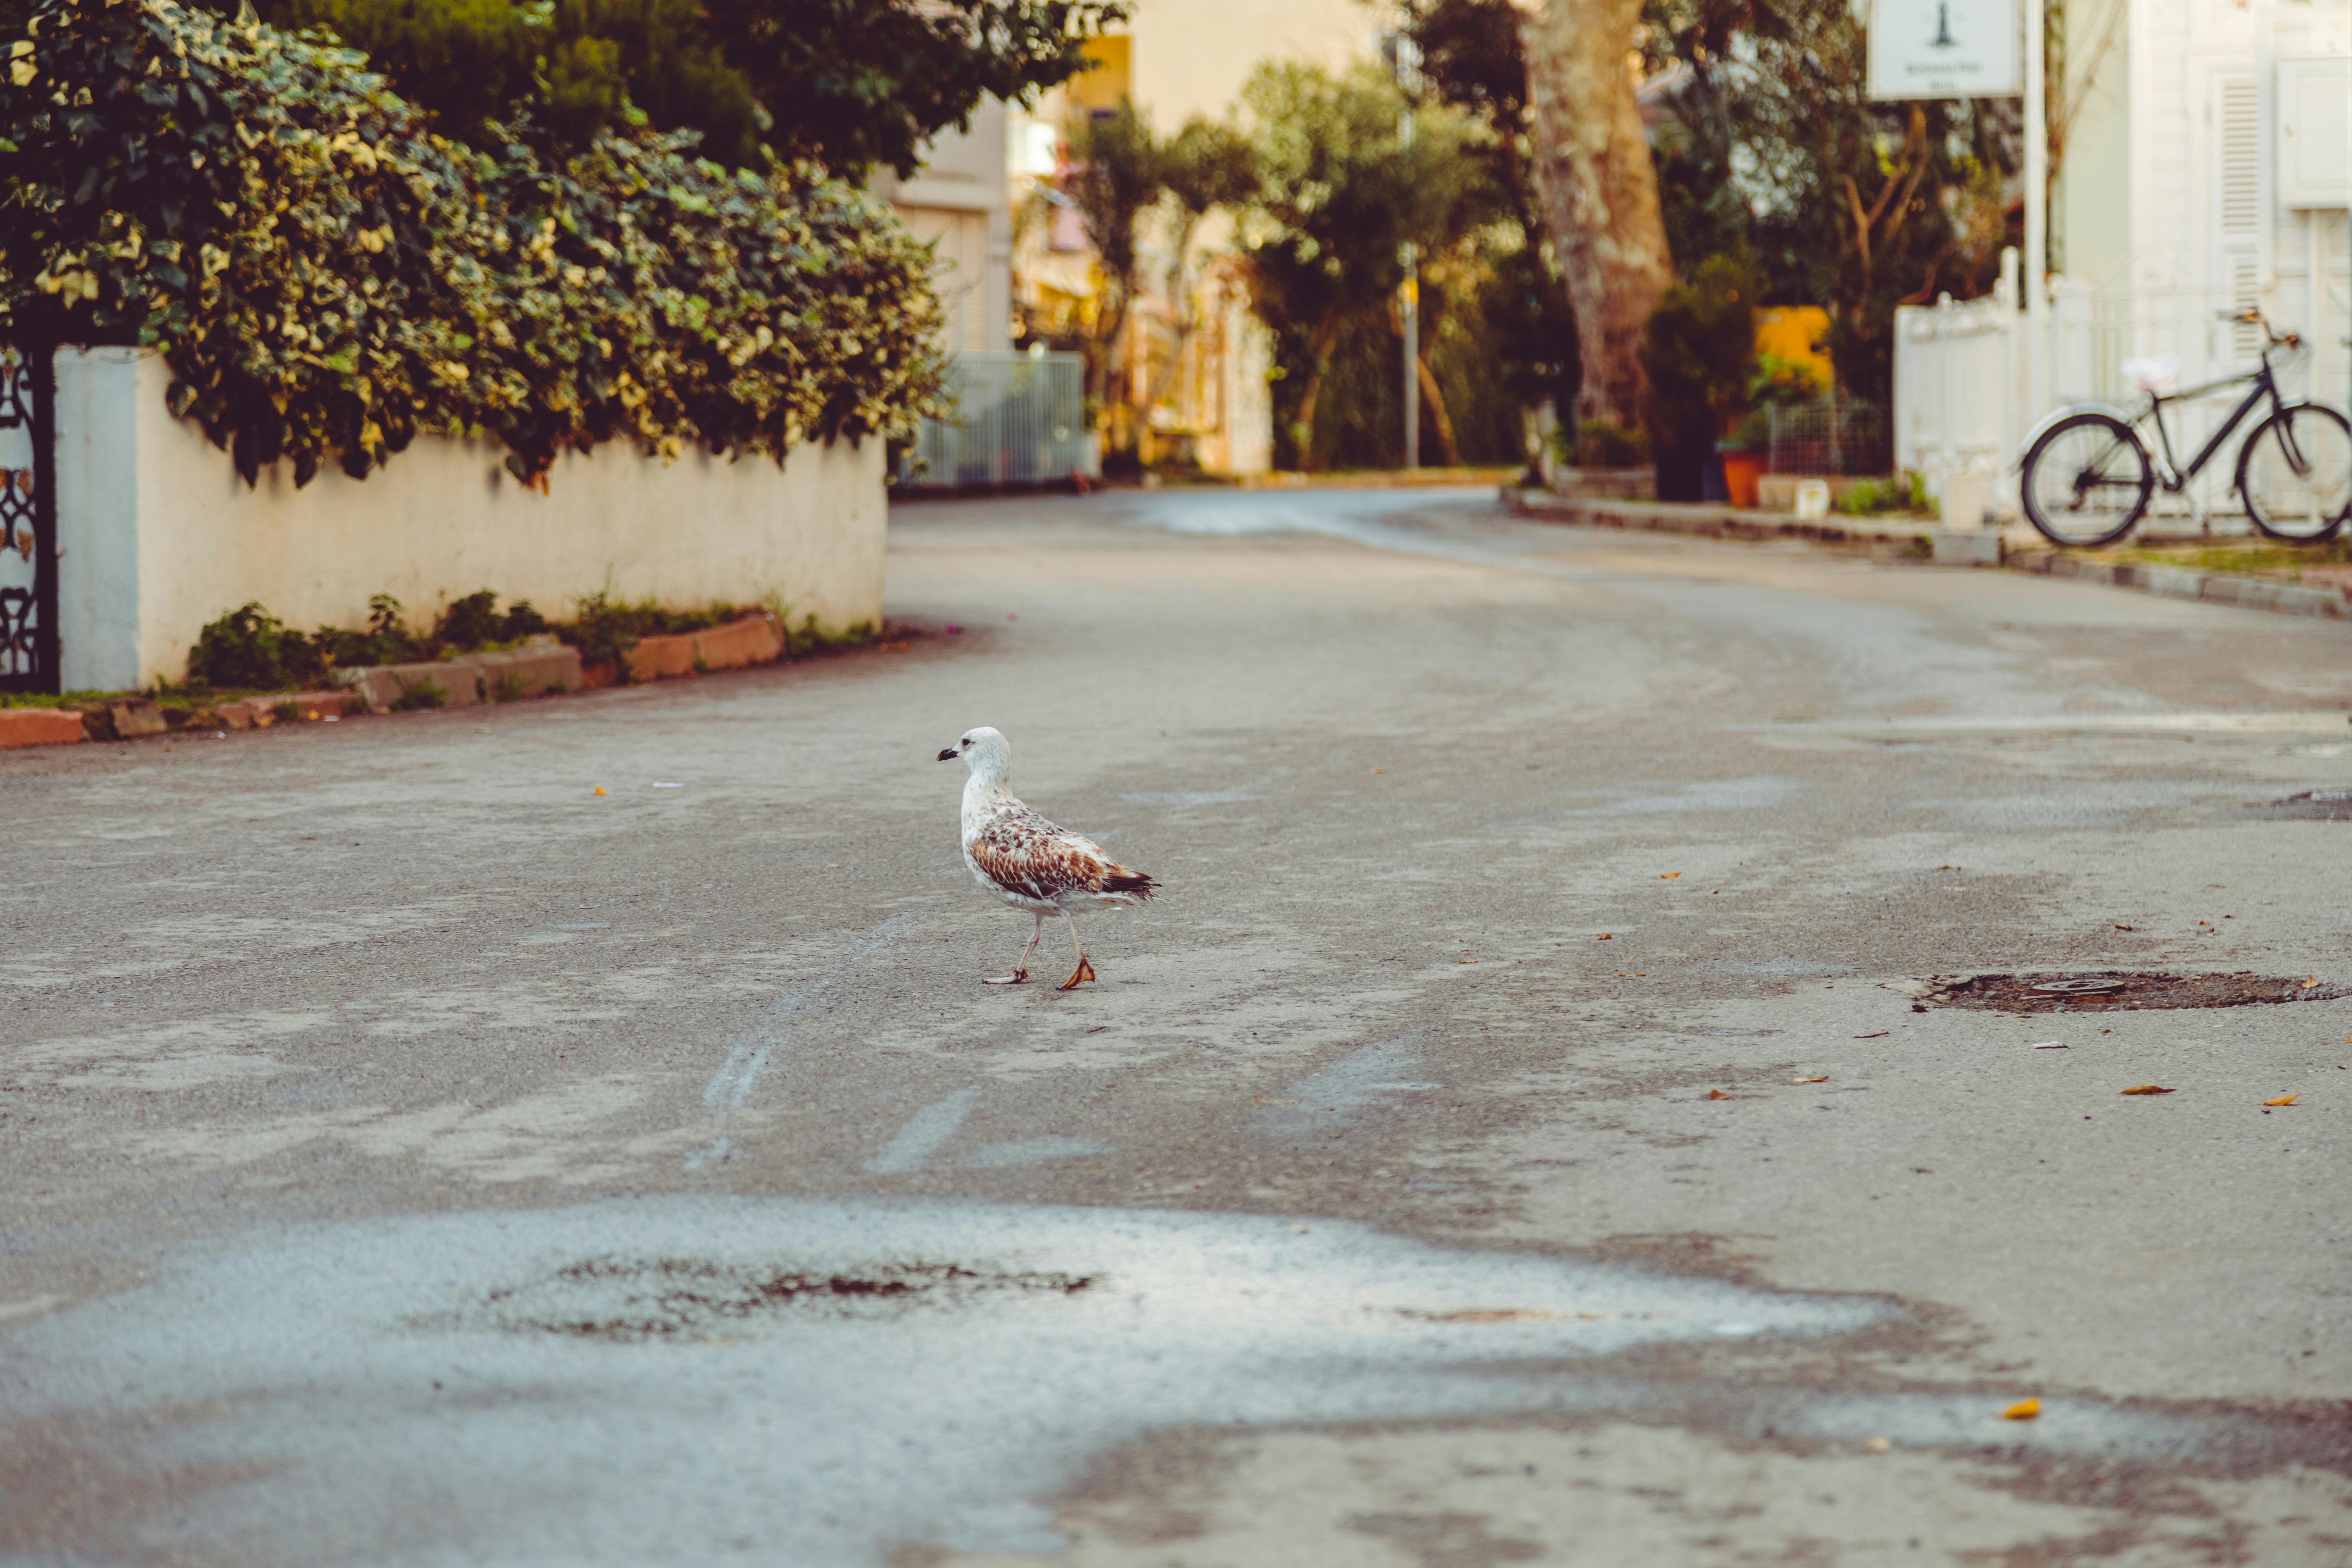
[[2020, 548], [1913, 537]]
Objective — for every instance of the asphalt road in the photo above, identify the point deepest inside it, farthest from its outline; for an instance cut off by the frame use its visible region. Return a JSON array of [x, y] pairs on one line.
[[1522, 1131]]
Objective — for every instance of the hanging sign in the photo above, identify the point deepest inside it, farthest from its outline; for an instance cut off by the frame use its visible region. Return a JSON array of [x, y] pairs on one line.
[[1944, 48]]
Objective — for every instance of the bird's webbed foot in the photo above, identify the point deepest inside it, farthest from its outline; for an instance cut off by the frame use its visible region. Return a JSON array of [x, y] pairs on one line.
[[1017, 977], [1078, 976]]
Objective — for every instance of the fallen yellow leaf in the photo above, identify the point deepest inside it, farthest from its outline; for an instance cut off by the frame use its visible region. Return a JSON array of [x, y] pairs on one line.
[[2310, 983], [2147, 1088], [1823, 1079], [1717, 1094], [1668, 876], [1465, 961], [1380, 770], [2284, 1099], [600, 789], [2023, 1410], [1605, 936]]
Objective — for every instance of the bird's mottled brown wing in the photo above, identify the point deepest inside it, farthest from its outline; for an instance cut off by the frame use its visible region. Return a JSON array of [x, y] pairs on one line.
[[1023, 853]]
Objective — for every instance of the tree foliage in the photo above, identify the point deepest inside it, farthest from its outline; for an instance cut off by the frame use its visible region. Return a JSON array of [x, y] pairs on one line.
[[328, 276], [1472, 58], [1341, 192], [1774, 152], [847, 83]]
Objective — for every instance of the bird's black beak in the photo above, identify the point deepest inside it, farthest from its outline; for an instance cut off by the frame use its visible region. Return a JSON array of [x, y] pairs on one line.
[[949, 755]]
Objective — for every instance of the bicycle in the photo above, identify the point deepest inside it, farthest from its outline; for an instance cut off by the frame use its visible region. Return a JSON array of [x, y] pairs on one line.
[[2088, 475]]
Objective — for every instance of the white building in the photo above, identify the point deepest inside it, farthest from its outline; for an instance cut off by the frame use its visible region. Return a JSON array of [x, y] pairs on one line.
[[2203, 170]]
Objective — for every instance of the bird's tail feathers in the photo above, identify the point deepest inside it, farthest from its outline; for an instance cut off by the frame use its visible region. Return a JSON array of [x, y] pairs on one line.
[[1134, 884]]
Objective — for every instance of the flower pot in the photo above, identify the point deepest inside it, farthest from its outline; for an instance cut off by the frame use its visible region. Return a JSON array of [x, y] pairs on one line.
[[1741, 470]]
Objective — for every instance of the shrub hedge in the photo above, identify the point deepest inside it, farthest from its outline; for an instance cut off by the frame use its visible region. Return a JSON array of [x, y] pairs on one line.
[[328, 276]]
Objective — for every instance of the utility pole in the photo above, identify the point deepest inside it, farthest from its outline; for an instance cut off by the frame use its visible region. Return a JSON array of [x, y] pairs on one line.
[[1408, 76], [2037, 216], [1412, 355]]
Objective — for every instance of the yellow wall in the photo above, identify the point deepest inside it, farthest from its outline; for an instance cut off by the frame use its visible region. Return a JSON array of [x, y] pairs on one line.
[[1796, 333], [1107, 78]]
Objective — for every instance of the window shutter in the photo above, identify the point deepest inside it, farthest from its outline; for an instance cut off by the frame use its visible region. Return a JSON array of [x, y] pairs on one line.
[[2242, 195]]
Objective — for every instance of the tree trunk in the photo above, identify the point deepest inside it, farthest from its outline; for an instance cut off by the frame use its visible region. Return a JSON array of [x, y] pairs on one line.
[[1434, 400], [1327, 337], [1600, 193]]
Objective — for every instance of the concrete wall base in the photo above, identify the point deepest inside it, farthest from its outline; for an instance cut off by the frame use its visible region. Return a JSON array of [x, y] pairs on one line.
[[159, 536]]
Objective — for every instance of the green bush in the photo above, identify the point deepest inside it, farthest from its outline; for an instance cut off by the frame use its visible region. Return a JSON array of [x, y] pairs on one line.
[[1601, 444], [1699, 351], [476, 621], [250, 650], [328, 276], [1898, 492]]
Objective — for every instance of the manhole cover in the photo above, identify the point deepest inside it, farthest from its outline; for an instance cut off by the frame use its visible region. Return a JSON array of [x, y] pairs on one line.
[[639, 1298], [2312, 806], [2074, 993]]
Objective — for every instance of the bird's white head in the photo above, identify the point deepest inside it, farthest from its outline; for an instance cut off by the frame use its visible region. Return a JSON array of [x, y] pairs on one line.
[[985, 751]]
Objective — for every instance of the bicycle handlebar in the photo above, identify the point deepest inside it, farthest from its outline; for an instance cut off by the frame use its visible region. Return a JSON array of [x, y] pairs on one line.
[[2252, 317]]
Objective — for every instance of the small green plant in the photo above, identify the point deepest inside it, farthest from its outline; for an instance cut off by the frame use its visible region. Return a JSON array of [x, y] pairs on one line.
[[1875, 498], [285, 712], [476, 622], [250, 650], [419, 694], [1601, 444], [386, 639], [606, 628], [507, 688]]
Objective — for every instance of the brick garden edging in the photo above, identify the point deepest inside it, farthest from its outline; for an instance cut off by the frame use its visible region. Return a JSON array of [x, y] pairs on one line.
[[540, 668]]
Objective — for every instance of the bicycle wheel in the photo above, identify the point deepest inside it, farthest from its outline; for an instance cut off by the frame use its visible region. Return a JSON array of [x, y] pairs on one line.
[[2295, 473], [2087, 480]]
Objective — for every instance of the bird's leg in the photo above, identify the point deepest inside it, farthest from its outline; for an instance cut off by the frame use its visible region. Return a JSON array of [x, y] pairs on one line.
[[1085, 970], [1020, 969]]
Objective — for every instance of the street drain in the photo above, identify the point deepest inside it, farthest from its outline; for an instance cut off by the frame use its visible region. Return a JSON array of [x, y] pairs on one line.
[[2114, 990], [2311, 805], [630, 1300]]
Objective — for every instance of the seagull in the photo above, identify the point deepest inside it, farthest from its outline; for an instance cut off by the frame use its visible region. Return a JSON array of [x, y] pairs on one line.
[[1030, 863]]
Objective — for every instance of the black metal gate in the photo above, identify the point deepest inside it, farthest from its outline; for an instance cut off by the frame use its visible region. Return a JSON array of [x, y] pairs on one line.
[[29, 523]]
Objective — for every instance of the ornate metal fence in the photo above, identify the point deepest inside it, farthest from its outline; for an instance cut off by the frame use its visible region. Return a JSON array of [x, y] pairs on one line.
[[1020, 419], [29, 523]]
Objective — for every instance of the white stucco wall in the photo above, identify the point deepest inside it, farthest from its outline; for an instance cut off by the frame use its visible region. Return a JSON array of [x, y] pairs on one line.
[[160, 536]]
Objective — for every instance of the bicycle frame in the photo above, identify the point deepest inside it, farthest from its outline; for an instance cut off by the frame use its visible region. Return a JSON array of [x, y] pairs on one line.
[[2175, 478]]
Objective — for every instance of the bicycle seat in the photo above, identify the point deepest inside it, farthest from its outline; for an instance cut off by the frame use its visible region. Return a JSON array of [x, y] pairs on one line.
[[2155, 374]]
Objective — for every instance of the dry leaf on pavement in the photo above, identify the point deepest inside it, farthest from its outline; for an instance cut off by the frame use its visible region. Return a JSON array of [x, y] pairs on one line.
[[1717, 1094], [1668, 876], [2147, 1088], [2023, 1410], [1823, 1079], [2284, 1099]]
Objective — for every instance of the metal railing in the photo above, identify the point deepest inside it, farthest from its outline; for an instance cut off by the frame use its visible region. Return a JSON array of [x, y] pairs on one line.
[[1020, 419], [1830, 436]]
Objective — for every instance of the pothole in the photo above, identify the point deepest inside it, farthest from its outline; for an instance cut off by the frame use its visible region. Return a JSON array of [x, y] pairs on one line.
[[2312, 806], [634, 1299], [2117, 990]]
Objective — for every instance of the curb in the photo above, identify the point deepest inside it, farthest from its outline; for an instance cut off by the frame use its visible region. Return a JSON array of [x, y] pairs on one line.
[[1946, 547], [2179, 583]]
